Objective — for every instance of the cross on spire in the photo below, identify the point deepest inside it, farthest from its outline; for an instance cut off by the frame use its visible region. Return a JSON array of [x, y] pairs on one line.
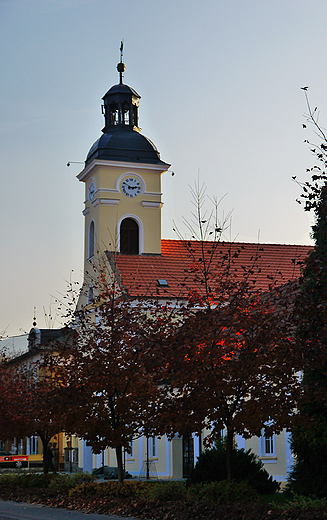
[[121, 66]]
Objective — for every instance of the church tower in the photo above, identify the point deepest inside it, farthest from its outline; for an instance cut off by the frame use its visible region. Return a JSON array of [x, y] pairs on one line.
[[122, 177]]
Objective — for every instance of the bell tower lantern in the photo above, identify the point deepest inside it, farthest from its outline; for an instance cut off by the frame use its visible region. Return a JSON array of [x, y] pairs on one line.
[[121, 103]]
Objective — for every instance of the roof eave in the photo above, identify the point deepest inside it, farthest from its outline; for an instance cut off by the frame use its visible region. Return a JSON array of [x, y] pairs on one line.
[[95, 163]]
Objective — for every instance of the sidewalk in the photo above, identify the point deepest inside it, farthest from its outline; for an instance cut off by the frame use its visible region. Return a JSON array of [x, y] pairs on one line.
[[22, 511]]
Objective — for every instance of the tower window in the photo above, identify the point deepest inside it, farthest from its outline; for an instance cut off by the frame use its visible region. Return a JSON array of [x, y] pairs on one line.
[[91, 239], [129, 237]]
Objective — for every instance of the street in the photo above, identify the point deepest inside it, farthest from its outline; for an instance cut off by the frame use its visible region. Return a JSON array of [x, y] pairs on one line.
[[22, 511]]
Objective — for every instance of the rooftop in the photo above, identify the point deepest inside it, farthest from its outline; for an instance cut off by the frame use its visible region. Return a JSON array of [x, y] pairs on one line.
[[144, 275]]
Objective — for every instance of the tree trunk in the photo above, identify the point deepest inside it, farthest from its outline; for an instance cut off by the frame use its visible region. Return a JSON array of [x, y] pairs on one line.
[[229, 453], [119, 456], [45, 444]]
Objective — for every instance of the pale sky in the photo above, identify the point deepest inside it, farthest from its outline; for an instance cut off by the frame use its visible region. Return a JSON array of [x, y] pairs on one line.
[[220, 82]]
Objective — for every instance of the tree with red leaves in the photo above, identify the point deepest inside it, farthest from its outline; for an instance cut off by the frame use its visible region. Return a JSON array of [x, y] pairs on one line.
[[108, 368], [31, 400], [233, 364], [11, 423]]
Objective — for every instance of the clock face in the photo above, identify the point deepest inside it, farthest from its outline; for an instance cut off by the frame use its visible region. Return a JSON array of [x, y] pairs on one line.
[[91, 191], [131, 187]]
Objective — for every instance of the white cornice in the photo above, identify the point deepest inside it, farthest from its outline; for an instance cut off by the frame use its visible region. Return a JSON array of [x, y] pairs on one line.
[[105, 202], [110, 202], [82, 176], [86, 211], [151, 205], [108, 190]]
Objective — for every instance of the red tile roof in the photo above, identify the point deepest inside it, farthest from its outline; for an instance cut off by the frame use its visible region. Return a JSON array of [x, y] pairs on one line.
[[140, 273]]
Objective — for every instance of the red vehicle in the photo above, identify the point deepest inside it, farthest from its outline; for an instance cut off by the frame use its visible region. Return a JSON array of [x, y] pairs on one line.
[[7, 460]]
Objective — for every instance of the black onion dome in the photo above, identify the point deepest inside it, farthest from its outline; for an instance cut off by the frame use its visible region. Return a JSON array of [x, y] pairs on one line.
[[123, 144]]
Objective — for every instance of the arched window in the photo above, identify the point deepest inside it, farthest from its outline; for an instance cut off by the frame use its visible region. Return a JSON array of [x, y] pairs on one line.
[[91, 239], [129, 237]]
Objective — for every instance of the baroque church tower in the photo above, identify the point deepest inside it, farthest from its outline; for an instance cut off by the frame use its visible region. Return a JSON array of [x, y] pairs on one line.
[[122, 177]]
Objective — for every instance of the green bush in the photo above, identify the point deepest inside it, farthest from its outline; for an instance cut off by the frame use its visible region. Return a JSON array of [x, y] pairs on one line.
[[304, 502], [39, 480], [223, 492], [25, 480], [211, 467], [84, 489], [216, 492], [166, 491], [111, 489], [67, 482]]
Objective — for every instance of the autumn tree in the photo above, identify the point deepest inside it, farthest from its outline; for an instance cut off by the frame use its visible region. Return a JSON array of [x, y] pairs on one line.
[[108, 367], [11, 422], [310, 437], [31, 399], [233, 363]]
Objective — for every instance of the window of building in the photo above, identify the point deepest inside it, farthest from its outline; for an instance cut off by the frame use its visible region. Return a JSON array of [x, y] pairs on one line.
[[32, 448], [91, 239], [267, 445], [129, 237], [130, 455], [21, 447], [152, 443]]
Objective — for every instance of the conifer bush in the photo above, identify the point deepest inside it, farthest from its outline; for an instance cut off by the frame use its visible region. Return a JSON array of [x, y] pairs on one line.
[[211, 467]]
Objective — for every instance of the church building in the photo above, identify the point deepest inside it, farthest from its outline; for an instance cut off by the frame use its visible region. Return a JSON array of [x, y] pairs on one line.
[[122, 212]]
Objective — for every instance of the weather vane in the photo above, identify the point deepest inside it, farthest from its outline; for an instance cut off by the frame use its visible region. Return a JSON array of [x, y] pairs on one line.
[[121, 51]]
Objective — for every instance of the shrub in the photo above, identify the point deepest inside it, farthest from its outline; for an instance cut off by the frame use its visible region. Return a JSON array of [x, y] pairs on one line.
[[166, 491], [67, 482], [223, 492], [211, 467], [216, 492], [39, 480], [304, 502], [25, 480], [110, 489]]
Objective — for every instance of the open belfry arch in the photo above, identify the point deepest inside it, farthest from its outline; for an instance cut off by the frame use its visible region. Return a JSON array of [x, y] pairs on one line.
[[122, 177]]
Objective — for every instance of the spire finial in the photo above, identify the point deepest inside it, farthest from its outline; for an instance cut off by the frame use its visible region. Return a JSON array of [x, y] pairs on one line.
[[121, 66], [34, 318]]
